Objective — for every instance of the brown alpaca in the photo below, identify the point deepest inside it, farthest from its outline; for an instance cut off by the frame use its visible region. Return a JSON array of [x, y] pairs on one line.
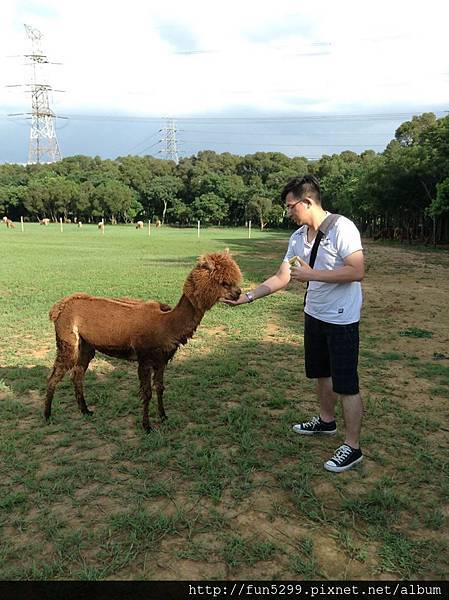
[[148, 332]]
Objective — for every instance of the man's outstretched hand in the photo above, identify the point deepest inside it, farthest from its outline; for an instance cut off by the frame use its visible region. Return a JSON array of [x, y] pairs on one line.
[[242, 299]]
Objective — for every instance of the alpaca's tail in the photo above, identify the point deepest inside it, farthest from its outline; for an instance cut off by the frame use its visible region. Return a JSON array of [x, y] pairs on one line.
[[57, 308]]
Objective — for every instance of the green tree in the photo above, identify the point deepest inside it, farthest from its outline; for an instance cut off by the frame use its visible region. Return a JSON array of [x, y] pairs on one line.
[[276, 215], [440, 205], [11, 198], [114, 200], [36, 199], [50, 195], [259, 208], [410, 132], [138, 171], [261, 165], [160, 192], [230, 188], [209, 208], [179, 212]]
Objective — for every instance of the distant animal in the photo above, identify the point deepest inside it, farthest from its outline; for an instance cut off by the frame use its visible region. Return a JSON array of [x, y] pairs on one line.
[[80, 224], [9, 224], [44, 222], [139, 225], [158, 223], [101, 225], [147, 332]]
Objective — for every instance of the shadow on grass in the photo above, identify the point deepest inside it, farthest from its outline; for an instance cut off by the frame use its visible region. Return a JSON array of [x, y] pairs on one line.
[[230, 412], [228, 443], [219, 372]]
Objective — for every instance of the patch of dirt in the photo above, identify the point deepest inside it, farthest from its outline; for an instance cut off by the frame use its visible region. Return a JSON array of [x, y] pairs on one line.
[[5, 394], [231, 404], [40, 352], [184, 568], [34, 398], [221, 330], [271, 331], [264, 570]]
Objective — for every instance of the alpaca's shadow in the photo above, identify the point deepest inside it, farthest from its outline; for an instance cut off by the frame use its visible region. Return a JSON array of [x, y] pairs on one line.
[[23, 389], [197, 386], [19, 380]]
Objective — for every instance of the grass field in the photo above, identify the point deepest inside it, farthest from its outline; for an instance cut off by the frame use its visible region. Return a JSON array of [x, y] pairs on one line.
[[225, 489]]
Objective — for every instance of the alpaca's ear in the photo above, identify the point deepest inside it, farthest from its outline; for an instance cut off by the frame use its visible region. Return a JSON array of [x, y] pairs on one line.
[[205, 262], [227, 251]]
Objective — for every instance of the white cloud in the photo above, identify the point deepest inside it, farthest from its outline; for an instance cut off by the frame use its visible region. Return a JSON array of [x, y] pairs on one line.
[[285, 55]]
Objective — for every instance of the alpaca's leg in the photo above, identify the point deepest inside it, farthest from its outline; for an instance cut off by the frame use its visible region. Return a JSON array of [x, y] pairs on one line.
[[60, 368], [159, 385], [86, 354], [144, 372]]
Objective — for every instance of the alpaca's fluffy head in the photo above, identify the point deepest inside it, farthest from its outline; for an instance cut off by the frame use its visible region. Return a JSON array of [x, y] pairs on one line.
[[215, 277]]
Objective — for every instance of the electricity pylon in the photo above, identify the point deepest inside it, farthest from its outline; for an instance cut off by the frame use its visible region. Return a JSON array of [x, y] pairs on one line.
[[170, 146], [43, 145]]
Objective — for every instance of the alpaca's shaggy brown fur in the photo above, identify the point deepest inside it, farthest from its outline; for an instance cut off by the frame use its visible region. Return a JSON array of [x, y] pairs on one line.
[[148, 332]]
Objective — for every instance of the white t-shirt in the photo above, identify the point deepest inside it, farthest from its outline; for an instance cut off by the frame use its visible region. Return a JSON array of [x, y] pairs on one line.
[[337, 303]]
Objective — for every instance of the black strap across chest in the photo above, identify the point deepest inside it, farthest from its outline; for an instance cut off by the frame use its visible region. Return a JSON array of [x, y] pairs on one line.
[[323, 230]]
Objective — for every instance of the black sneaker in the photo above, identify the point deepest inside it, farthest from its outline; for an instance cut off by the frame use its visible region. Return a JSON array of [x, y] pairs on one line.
[[344, 458], [315, 426]]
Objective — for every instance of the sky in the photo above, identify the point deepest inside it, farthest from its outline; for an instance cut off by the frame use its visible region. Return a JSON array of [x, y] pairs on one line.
[[303, 78]]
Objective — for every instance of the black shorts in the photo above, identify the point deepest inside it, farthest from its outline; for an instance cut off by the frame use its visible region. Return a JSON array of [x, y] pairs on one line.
[[332, 351]]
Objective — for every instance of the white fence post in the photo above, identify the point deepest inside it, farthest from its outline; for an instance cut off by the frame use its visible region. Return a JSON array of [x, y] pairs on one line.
[[21, 222]]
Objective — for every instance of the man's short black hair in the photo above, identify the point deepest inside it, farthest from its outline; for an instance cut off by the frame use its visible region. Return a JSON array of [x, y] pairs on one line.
[[301, 187]]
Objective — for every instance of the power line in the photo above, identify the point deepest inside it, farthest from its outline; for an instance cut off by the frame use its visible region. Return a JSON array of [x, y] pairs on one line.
[[149, 147], [287, 145], [281, 133], [145, 140], [262, 119]]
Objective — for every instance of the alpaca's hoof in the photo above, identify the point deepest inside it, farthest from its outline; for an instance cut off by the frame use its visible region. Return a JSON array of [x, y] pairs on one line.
[[47, 417], [163, 418], [147, 428], [88, 412]]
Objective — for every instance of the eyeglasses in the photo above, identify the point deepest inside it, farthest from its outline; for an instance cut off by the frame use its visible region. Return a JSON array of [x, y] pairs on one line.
[[290, 206]]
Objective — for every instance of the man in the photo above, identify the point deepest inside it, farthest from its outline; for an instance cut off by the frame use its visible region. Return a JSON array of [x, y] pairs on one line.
[[332, 313]]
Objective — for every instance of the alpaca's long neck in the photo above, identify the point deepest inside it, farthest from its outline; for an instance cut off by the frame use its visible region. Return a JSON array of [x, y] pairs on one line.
[[184, 319]]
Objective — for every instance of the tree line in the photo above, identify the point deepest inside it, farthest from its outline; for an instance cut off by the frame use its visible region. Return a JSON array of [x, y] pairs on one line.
[[401, 193]]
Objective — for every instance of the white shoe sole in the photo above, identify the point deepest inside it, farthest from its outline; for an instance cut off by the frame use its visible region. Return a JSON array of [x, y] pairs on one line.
[[329, 466], [297, 429]]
